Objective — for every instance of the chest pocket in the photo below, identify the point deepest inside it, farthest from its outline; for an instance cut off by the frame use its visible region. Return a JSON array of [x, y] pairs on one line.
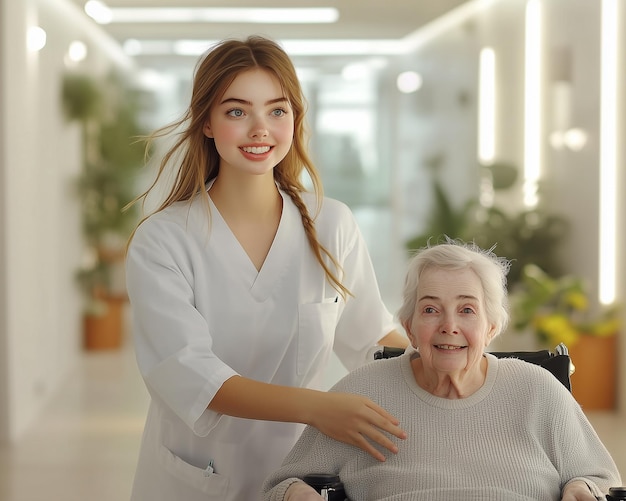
[[316, 334]]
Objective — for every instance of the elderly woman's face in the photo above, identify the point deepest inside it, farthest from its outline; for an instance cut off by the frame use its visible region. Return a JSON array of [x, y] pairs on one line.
[[450, 327]]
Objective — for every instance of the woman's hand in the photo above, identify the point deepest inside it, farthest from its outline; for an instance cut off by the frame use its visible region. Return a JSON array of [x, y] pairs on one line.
[[577, 491], [355, 420], [349, 418], [299, 491]]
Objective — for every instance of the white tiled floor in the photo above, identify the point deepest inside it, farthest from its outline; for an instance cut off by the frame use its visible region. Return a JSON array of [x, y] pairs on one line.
[[85, 445]]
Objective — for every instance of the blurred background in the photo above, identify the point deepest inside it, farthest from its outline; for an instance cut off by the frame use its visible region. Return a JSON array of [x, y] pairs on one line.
[[499, 121]]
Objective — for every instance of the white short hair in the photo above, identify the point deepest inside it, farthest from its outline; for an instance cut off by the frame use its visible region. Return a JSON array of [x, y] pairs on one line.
[[456, 255]]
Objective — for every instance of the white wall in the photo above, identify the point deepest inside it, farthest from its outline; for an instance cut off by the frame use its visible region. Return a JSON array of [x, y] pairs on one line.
[[621, 212], [432, 121], [441, 118], [4, 376], [40, 240]]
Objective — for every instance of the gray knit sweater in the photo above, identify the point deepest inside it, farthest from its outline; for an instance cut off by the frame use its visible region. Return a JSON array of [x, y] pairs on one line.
[[522, 436]]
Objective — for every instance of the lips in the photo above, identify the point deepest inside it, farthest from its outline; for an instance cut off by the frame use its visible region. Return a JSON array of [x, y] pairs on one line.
[[449, 347]]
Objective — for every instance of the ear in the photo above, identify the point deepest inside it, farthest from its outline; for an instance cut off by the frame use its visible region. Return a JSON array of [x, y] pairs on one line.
[[207, 130], [409, 334], [490, 335]]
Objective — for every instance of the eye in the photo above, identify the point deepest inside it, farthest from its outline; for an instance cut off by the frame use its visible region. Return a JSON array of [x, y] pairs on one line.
[[235, 112], [429, 309], [279, 112], [467, 309]]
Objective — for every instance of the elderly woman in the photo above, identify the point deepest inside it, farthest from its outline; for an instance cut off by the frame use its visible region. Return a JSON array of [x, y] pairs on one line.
[[478, 427]]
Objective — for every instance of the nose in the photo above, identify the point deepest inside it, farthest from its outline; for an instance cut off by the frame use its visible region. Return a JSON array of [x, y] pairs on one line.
[[258, 128], [448, 325]]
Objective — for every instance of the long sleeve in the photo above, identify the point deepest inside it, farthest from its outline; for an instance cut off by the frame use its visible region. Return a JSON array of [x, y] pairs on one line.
[[314, 452], [578, 451]]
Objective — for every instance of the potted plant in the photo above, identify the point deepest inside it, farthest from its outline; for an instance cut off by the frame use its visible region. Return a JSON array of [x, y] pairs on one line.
[[529, 236], [108, 112], [557, 310]]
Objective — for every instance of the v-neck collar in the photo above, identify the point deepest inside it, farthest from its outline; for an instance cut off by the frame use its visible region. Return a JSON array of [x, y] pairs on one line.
[[279, 258]]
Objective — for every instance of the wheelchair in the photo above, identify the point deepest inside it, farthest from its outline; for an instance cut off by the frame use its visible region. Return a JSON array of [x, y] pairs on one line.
[[558, 362], [331, 489]]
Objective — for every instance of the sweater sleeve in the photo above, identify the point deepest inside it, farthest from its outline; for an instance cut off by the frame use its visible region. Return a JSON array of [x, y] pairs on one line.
[[279, 491], [314, 452], [583, 455], [578, 452]]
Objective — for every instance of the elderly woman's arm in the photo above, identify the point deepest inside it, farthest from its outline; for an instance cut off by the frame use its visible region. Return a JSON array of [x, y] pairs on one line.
[[586, 467], [292, 489], [299, 491], [313, 452], [577, 490]]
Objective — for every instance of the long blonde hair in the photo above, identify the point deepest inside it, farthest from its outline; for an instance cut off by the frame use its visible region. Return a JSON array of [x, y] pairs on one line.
[[200, 160]]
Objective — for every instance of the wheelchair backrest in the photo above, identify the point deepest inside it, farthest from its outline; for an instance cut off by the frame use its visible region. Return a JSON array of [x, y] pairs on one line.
[[557, 362]]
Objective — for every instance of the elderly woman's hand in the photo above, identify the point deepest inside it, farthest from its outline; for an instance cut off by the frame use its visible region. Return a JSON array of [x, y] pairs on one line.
[[577, 491], [299, 491]]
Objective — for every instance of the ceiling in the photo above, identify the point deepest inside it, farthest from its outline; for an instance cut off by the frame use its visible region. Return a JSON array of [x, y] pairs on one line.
[[358, 20]]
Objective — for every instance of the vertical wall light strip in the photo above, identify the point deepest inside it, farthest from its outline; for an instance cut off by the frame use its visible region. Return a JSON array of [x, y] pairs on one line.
[[532, 102], [486, 106], [608, 153]]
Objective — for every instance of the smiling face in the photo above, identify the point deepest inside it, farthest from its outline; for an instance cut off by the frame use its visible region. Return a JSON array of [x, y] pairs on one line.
[[450, 328], [252, 124]]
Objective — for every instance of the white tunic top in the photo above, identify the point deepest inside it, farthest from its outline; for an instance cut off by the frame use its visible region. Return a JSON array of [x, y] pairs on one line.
[[203, 313]]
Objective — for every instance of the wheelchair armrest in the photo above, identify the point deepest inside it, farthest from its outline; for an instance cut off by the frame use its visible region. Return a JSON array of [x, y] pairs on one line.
[[617, 494], [328, 485]]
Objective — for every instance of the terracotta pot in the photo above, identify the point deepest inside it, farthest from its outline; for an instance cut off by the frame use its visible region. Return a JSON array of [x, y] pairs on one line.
[[594, 384], [105, 331]]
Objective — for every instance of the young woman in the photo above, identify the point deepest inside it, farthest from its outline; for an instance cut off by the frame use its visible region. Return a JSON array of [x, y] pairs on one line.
[[241, 284]]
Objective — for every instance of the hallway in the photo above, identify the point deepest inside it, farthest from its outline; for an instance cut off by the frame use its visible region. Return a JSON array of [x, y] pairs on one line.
[[85, 446]]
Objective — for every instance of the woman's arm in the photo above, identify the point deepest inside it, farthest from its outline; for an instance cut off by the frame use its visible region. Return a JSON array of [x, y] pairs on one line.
[[349, 418]]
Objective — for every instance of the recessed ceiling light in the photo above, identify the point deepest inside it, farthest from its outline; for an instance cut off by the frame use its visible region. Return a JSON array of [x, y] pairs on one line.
[[104, 15], [318, 47], [292, 47], [409, 82], [77, 51], [98, 11], [36, 38]]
